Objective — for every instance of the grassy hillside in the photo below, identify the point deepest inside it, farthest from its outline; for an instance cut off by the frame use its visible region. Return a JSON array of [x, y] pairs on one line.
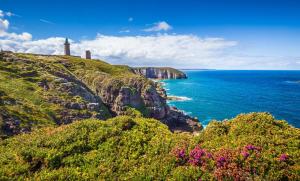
[[39, 90], [248, 147]]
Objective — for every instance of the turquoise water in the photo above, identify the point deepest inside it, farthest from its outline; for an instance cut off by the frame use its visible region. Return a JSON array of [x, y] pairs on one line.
[[225, 94]]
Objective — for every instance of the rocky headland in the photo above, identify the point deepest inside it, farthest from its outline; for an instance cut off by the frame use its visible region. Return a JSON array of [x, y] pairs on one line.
[[160, 72], [41, 90]]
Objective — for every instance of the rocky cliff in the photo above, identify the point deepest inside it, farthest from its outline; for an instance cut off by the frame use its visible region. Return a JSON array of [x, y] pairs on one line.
[[40, 90], [160, 72]]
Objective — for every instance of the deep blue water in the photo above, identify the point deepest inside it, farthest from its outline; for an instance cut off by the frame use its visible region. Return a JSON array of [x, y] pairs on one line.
[[224, 94]]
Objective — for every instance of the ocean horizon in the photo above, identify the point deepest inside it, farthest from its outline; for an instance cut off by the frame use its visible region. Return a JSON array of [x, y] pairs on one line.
[[210, 94]]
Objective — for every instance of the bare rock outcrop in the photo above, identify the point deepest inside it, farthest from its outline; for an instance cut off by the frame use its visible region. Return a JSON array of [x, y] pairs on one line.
[[160, 72]]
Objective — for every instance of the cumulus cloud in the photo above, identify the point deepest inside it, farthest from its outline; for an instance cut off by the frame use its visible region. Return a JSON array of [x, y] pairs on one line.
[[10, 37], [17, 37], [51, 46], [3, 25], [179, 51], [159, 26], [155, 50]]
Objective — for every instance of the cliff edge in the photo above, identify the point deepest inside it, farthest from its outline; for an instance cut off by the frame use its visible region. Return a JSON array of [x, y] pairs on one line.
[[160, 72]]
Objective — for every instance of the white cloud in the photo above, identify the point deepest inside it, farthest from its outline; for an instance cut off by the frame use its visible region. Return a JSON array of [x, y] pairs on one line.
[[9, 14], [179, 51], [3, 25], [159, 26], [4, 35], [157, 50], [17, 37]]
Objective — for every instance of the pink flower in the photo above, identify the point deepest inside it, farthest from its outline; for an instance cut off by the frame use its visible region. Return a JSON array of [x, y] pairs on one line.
[[283, 157], [209, 155], [250, 147], [221, 161], [180, 153], [245, 154], [195, 156]]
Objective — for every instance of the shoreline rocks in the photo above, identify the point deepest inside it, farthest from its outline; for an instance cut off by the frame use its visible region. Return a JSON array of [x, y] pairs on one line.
[[177, 121]]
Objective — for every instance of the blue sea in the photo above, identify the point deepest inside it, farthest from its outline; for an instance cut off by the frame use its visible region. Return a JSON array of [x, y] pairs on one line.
[[223, 94]]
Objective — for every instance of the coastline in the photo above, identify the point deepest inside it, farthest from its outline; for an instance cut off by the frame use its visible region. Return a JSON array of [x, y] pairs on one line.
[[177, 120], [174, 98], [170, 98]]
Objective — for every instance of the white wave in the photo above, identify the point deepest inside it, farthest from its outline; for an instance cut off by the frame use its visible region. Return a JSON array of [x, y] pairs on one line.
[[292, 82], [187, 113], [183, 98], [179, 98], [162, 83]]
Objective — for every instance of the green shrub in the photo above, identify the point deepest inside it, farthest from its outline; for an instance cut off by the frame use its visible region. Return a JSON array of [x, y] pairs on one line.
[[253, 147]]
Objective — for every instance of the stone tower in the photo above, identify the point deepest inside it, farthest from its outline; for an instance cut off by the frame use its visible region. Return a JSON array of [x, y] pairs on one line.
[[67, 47], [88, 54]]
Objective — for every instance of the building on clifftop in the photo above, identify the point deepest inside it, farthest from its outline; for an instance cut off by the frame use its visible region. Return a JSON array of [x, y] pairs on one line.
[[88, 54], [67, 47]]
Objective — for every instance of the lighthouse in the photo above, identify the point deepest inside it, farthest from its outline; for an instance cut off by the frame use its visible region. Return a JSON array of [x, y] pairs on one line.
[[67, 48]]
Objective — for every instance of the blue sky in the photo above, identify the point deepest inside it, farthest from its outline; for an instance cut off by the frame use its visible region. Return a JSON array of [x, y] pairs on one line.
[[229, 34]]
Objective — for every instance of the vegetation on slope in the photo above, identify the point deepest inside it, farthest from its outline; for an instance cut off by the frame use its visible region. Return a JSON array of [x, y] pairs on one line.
[[39, 90], [248, 147], [106, 81]]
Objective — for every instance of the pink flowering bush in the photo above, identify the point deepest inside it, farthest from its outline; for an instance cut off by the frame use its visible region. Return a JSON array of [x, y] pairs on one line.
[[196, 157], [232, 164], [180, 155], [249, 147]]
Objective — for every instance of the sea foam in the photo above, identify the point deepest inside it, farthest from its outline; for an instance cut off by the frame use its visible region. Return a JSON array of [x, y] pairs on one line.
[[180, 98]]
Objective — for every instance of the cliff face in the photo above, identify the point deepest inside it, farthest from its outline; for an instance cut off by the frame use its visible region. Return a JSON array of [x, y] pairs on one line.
[[160, 72], [39, 90]]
